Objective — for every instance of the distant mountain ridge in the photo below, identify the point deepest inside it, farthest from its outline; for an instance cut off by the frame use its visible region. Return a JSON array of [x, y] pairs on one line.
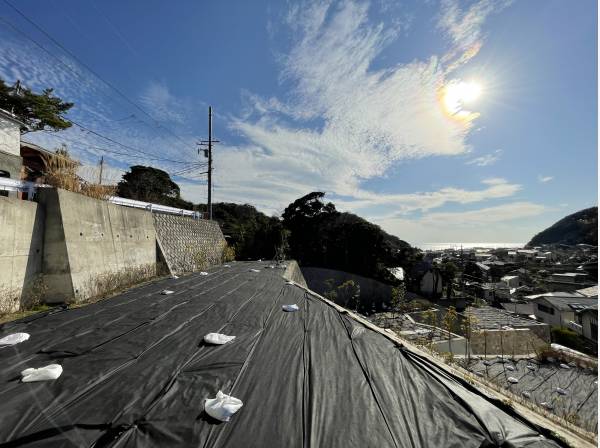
[[579, 228]]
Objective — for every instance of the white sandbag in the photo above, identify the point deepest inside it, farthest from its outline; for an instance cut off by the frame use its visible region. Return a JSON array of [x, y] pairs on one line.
[[254, 270], [487, 363], [174, 277], [564, 366], [47, 373], [222, 407], [165, 292], [289, 282], [226, 266], [290, 308], [512, 379], [530, 367], [511, 368], [526, 394], [15, 338], [203, 273], [561, 391], [218, 338]]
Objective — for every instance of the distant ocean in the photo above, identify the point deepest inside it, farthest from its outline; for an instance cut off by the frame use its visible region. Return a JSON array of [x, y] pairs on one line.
[[443, 246]]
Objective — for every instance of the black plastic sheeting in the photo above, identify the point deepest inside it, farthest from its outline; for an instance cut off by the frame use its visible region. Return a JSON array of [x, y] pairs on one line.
[[579, 386], [136, 374]]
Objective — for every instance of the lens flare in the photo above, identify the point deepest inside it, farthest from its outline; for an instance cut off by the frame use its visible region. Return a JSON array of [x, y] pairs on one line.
[[455, 95]]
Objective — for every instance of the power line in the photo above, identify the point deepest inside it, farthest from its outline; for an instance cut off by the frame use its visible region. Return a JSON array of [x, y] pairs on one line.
[[73, 121], [110, 85]]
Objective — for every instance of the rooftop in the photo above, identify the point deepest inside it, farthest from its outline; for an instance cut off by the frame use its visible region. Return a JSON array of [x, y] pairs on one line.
[[488, 317], [569, 303], [137, 372]]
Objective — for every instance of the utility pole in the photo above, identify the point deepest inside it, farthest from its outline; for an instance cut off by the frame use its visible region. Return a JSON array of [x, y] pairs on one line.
[[100, 174], [206, 146], [210, 163]]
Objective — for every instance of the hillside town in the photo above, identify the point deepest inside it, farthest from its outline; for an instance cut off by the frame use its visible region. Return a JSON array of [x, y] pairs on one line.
[[279, 272]]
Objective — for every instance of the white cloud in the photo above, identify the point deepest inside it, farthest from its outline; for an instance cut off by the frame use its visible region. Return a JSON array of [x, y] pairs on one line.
[[424, 201], [489, 215], [161, 104], [486, 160], [464, 27], [544, 179], [343, 121], [513, 222]]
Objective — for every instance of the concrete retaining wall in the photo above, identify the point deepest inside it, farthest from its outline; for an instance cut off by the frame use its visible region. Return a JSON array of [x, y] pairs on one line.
[[81, 247], [88, 239], [21, 240], [293, 273], [187, 244], [373, 294]]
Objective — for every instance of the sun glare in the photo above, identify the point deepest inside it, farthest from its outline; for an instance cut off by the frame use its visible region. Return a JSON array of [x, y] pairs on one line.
[[458, 93]]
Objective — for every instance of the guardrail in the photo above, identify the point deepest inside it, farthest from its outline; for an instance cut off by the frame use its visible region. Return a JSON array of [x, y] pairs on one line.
[[154, 207], [7, 184]]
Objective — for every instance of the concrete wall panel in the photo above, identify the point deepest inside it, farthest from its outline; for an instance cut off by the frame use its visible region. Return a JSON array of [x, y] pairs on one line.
[[21, 241]]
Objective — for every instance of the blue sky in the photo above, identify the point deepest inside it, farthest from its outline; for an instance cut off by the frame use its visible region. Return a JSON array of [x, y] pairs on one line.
[[349, 97]]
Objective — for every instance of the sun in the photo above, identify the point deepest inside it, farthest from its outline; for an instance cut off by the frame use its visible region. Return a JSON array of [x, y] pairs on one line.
[[456, 94]]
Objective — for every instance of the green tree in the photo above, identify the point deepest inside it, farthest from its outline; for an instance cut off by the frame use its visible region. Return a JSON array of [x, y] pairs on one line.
[[321, 236], [448, 271], [397, 297], [38, 111], [145, 183], [468, 325], [449, 321], [430, 317]]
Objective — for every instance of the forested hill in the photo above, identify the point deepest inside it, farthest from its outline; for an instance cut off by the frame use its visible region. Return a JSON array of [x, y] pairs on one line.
[[578, 228], [315, 234]]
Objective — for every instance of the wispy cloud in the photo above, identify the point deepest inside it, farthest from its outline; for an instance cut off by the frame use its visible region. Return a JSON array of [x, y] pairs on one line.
[[482, 224], [486, 160], [344, 122], [402, 204], [464, 28], [162, 105], [544, 179]]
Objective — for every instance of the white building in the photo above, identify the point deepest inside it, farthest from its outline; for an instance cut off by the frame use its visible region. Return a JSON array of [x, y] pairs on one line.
[[512, 281], [560, 308], [588, 319], [10, 145]]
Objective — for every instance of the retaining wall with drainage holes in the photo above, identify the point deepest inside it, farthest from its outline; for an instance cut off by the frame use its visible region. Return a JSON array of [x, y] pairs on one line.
[[87, 240]]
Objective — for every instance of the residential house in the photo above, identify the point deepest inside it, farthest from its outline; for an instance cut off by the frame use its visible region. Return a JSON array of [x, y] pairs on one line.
[[560, 308], [512, 281], [568, 281], [10, 153], [588, 319], [431, 283]]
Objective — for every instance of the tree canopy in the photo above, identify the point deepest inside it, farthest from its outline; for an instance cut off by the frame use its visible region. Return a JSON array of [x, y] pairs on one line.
[[322, 236], [578, 228], [145, 183], [38, 111], [252, 233]]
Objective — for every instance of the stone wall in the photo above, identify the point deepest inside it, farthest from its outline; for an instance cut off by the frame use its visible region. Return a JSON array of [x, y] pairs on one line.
[[519, 341], [89, 243], [21, 240], [188, 244]]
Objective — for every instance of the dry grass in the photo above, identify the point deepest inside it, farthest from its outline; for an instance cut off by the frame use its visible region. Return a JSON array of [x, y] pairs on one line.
[[228, 254], [110, 283], [61, 172]]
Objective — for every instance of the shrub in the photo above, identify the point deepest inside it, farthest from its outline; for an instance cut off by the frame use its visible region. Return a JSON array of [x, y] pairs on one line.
[[566, 337], [228, 253]]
